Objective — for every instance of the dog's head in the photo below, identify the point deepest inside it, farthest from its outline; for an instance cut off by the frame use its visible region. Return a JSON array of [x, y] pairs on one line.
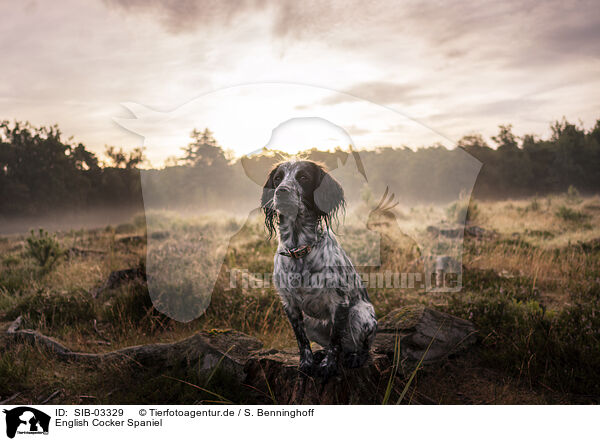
[[295, 187]]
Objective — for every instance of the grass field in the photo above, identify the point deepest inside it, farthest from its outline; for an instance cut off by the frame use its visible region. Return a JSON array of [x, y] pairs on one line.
[[532, 289]]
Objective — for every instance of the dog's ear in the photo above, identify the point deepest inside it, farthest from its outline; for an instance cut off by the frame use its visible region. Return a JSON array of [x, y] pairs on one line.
[[266, 202], [328, 196]]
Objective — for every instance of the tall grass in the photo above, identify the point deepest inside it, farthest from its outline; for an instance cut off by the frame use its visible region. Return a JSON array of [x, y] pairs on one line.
[[533, 291]]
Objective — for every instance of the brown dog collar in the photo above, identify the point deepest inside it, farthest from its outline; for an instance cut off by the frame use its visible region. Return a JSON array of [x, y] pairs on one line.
[[304, 250], [297, 252]]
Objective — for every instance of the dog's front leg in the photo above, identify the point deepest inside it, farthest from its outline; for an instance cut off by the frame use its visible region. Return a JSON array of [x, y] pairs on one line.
[[295, 317], [329, 365]]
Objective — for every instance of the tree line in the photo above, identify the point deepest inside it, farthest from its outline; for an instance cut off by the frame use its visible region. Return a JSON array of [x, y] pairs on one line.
[[41, 172]]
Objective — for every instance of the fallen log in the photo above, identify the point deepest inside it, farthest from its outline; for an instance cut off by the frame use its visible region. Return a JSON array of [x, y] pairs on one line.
[[9, 399], [231, 348], [83, 252], [407, 339]]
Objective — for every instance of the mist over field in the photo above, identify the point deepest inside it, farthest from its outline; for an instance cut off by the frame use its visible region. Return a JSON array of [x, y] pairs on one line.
[[48, 181]]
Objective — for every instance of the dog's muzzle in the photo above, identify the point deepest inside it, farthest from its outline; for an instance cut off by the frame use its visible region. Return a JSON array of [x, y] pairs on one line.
[[286, 201]]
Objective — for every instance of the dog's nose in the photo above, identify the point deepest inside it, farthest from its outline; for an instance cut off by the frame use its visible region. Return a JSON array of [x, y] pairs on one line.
[[282, 191]]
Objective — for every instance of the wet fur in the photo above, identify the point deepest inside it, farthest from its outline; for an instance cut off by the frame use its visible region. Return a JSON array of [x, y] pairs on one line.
[[300, 199]]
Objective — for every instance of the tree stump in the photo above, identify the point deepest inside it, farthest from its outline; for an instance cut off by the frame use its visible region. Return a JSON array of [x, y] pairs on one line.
[[423, 336]]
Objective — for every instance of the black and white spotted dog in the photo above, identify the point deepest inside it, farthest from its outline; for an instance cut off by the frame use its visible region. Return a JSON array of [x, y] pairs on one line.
[[321, 292]]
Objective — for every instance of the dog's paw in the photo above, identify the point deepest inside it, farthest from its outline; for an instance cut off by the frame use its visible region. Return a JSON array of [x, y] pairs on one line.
[[327, 368], [306, 363], [319, 355]]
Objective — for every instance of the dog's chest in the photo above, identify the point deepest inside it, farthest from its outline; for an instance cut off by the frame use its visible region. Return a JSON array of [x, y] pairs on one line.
[[319, 304], [312, 271], [304, 282]]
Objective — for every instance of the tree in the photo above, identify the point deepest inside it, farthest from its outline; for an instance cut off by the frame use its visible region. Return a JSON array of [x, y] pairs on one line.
[[120, 159], [506, 139], [204, 150], [84, 160]]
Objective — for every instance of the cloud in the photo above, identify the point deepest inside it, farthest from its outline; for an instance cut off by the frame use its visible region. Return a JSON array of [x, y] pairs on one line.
[[380, 92], [179, 16], [287, 17], [357, 131], [512, 32], [458, 66], [503, 110]]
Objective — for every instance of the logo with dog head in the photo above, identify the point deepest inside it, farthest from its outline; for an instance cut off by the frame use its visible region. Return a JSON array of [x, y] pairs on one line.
[[402, 222], [26, 421]]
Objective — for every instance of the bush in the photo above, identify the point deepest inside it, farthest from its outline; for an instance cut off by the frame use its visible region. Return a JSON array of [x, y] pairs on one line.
[[573, 196], [44, 248], [558, 349], [15, 367], [139, 221], [567, 214], [463, 211], [534, 205], [542, 234], [16, 278], [125, 229], [11, 260], [54, 309], [132, 308]]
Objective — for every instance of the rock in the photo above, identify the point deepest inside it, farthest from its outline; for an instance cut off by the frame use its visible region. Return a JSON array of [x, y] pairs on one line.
[[131, 240], [424, 333], [160, 235], [457, 233], [120, 277], [480, 233], [591, 245], [81, 252]]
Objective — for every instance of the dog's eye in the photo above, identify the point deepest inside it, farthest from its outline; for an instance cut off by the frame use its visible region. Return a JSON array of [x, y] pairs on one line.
[[277, 179], [302, 178]]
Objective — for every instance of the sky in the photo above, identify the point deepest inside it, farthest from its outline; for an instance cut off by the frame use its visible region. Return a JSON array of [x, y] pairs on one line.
[[388, 73]]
